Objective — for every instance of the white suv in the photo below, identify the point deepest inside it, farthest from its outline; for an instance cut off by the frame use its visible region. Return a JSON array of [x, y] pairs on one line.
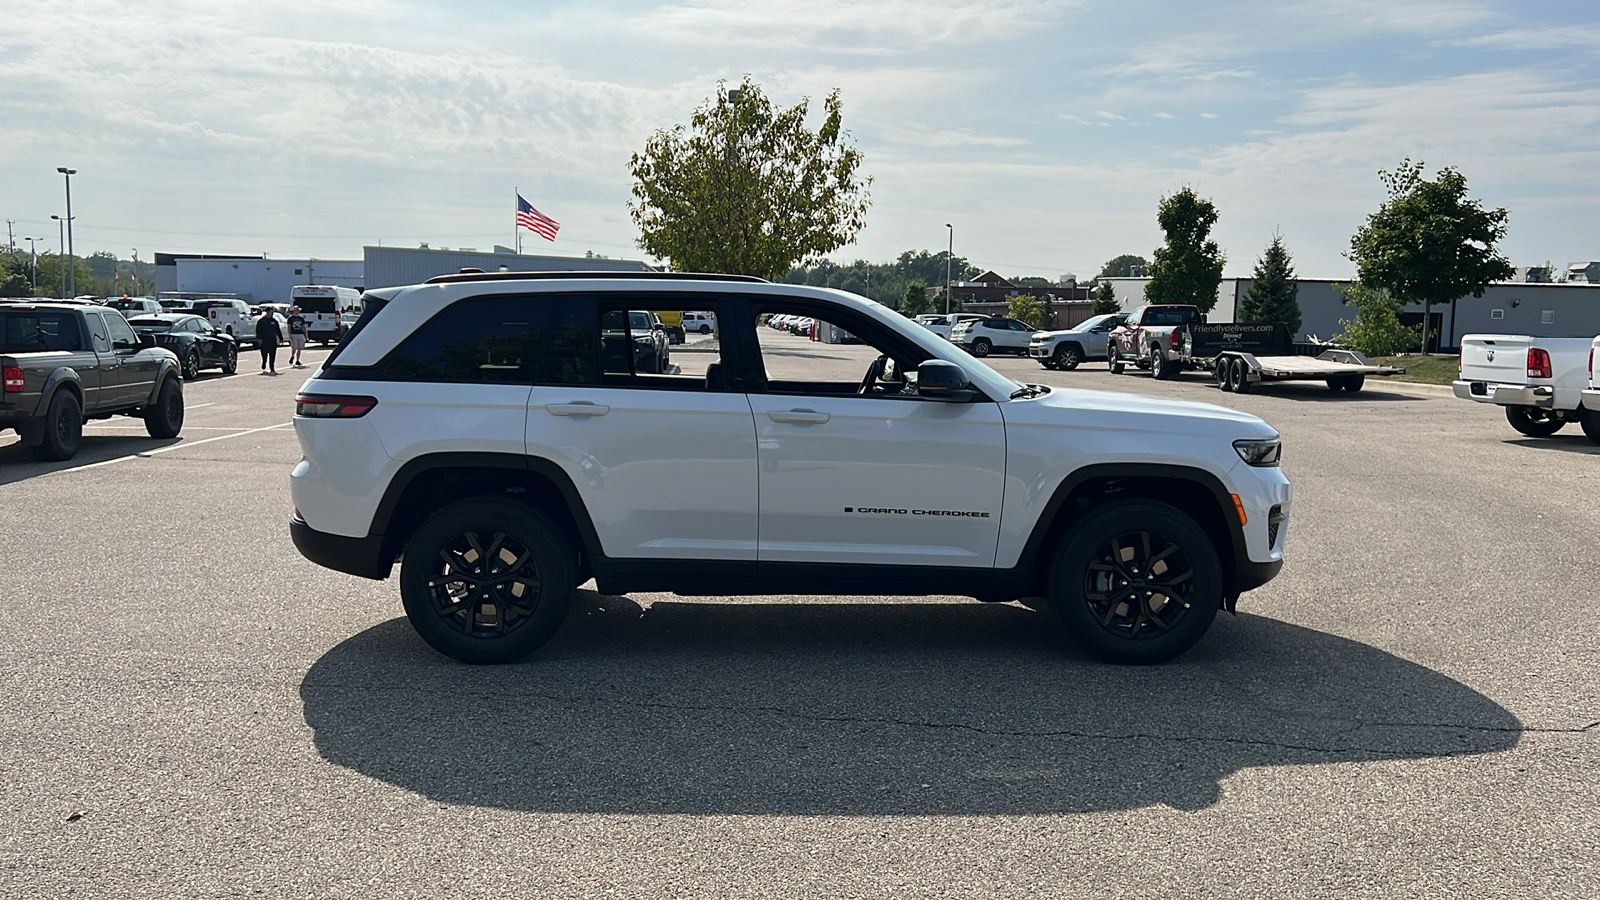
[[981, 337], [494, 433]]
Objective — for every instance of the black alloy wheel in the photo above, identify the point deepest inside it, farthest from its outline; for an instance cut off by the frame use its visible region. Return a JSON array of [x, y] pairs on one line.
[[1136, 582], [230, 359], [1067, 357], [63, 428], [1533, 422], [191, 364], [487, 580]]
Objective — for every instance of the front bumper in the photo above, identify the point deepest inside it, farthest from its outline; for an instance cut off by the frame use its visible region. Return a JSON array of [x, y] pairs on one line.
[[354, 556], [1041, 351], [1542, 396]]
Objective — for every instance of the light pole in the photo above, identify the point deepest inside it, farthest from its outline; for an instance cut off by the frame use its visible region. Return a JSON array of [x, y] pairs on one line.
[[72, 279], [33, 265], [61, 236], [948, 255]]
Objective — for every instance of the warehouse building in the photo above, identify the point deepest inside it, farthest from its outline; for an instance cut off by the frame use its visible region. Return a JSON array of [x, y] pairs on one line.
[[390, 266]]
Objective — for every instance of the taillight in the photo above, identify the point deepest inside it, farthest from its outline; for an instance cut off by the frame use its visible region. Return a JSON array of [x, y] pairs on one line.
[[325, 406], [1538, 363], [1458, 361], [1172, 341], [1591, 365], [13, 379]]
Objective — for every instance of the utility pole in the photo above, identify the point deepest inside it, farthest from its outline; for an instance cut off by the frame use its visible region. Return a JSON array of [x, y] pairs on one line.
[[949, 254], [136, 272], [72, 276], [33, 265], [11, 241], [61, 236]]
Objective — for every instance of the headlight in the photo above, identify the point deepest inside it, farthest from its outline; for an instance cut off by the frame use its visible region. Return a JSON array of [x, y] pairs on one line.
[[1259, 451]]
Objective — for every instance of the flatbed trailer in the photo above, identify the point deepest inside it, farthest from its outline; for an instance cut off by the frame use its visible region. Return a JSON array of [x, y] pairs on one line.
[[1241, 356]]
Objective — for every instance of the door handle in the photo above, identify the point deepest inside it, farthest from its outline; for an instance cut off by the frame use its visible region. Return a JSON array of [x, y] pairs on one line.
[[798, 416], [583, 408]]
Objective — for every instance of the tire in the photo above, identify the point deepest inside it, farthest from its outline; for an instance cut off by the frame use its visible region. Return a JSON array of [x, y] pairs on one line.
[[62, 431], [1237, 382], [191, 364], [230, 360], [1221, 372], [1102, 565], [1161, 368], [1354, 383], [980, 347], [1336, 384], [1590, 420], [164, 418], [1067, 357], [705, 329], [1532, 421], [1113, 361], [542, 566]]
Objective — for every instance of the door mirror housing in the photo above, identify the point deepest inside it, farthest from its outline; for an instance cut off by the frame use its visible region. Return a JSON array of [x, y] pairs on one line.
[[940, 379], [146, 339]]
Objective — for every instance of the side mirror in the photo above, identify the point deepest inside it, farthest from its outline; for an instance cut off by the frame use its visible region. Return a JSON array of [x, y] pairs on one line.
[[940, 379], [146, 339]]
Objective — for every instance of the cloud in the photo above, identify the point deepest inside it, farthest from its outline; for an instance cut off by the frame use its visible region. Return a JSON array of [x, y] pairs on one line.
[[1578, 36]]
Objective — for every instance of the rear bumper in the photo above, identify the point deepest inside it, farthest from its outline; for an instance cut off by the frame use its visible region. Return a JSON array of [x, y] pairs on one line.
[[1591, 399], [1542, 396], [354, 556]]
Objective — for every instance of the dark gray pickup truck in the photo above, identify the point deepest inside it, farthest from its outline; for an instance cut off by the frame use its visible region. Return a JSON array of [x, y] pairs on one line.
[[64, 364]]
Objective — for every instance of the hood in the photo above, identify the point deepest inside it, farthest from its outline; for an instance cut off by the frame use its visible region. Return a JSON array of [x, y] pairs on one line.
[[1137, 412]]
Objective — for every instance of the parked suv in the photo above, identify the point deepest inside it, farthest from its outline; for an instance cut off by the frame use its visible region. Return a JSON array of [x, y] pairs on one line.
[[981, 337], [489, 432]]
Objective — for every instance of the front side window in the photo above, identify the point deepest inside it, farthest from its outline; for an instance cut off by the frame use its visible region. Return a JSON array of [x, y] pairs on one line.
[[122, 337], [835, 356], [507, 339]]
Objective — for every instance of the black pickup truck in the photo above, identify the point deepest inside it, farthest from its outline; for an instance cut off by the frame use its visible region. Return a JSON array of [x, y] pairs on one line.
[[64, 364]]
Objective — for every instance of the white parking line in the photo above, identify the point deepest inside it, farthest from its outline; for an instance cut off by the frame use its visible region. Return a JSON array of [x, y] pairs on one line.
[[178, 446]]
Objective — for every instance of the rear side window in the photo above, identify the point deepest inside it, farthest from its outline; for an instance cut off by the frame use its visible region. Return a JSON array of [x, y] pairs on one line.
[[504, 339], [31, 332]]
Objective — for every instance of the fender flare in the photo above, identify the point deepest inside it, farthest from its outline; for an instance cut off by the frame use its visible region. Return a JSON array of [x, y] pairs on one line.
[[169, 369], [62, 376]]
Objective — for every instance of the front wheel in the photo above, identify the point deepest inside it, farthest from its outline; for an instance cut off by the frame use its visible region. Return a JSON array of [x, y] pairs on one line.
[[1136, 582], [486, 580], [1067, 357], [1532, 421], [164, 418], [980, 347]]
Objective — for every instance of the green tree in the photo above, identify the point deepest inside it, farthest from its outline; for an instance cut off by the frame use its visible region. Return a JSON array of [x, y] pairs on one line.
[[1031, 281], [1105, 300], [747, 188], [1428, 243], [914, 302], [1026, 308], [1188, 268], [1274, 294], [1376, 329], [1124, 266]]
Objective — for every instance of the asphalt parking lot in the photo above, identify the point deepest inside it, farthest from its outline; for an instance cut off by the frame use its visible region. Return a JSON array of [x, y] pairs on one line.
[[1410, 709]]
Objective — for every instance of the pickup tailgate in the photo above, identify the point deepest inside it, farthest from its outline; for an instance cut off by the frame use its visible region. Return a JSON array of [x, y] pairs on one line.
[[1495, 358]]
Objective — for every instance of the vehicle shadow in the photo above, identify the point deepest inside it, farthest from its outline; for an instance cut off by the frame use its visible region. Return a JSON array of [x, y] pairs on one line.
[[868, 709], [17, 462], [1304, 391], [1566, 443]]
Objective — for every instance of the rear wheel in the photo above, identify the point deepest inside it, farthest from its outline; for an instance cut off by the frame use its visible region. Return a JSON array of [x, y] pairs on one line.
[[1136, 582], [1533, 422], [1114, 361], [164, 418], [1161, 368], [981, 347], [1590, 420], [487, 580], [63, 428], [1221, 371], [230, 360], [1354, 384], [1238, 376]]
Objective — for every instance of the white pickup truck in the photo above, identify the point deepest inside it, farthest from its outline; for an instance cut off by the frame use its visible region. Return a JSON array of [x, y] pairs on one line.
[[1540, 381]]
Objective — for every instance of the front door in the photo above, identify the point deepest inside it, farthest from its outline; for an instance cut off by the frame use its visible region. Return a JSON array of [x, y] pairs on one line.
[[856, 469]]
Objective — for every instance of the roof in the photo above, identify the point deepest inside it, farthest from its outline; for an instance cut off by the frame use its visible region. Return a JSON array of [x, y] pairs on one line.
[[586, 274]]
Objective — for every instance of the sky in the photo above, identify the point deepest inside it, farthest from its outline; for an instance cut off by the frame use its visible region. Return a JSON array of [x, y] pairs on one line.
[[1045, 133]]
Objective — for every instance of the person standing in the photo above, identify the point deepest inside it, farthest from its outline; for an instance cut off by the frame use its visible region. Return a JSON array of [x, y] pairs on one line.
[[268, 334], [297, 337]]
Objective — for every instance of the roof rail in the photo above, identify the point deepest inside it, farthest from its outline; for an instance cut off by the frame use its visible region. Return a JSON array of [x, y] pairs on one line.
[[590, 274]]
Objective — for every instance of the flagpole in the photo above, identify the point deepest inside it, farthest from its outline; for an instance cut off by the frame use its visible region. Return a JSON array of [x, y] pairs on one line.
[[516, 230]]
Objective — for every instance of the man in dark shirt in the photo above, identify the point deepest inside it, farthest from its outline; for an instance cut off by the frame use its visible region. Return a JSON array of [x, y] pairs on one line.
[[297, 336], [268, 334]]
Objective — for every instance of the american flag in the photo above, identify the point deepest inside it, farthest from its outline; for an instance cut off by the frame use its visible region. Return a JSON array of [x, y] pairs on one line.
[[535, 221]]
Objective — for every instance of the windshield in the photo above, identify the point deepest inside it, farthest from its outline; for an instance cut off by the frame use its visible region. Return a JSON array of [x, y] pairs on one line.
[[1089, 324], [639, 321]]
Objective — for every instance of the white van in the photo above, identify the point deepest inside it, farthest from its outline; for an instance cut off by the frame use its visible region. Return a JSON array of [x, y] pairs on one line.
[[329, 311]]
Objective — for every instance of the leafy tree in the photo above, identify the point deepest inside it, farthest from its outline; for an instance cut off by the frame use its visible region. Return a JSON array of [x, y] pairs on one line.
[[1026, 308], [914, 302], [1123, 266], [747, 188], [1188, 268], [1105, 300], [1031, 281], [1274, 291], [1376, 330], [1428, 243]]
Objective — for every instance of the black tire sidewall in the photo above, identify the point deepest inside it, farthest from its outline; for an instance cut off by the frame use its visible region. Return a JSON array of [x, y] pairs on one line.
[[552, 552], [64, 405], [980, 348], [230, 360], [1082, 544], [164, 418], [1521, 419]]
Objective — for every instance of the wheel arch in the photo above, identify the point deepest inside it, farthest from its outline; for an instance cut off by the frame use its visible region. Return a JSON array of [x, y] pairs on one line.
[[170, 368], [428, 483], [64, 378], [1196, 492]]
